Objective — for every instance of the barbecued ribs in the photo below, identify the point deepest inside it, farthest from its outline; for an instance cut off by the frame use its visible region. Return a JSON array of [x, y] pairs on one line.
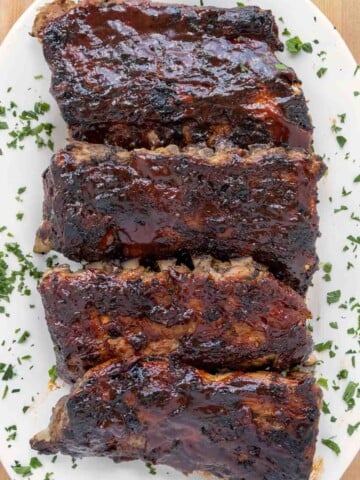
[[252, 426], [103, 202], [232, 315], [142, 74]]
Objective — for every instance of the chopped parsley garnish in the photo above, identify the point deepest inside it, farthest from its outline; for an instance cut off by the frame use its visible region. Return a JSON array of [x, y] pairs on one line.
[[295, 44], [24, 337], [342, 117], [151, 468], [321, 72], [349, 394], [357, 179], [327, 267], [323, 382], [356, 69], [333, 297], [280, 66], [19, 216], [240, 4], [356, 93], [332, 445], [340, 209], [343, 374], [286, 32], [8, 371], [341, 141], [325, 408], [4, 126], [38, 77], [334, 325], [321, 347], [53, 374], [26, 470], [352, 428]]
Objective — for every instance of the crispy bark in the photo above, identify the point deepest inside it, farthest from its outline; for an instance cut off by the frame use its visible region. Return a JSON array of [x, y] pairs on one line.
[[103, 202], [235, 426], [142, 74], [231, 315]]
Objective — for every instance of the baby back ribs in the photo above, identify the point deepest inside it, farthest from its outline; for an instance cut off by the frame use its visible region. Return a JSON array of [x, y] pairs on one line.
[[102, 202], [252, 426], [231, 315], [142, 74]]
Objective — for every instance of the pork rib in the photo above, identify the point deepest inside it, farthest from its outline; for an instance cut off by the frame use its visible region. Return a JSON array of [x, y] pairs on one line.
[[142, 74], [231, 315], [235, 426], [102, 202]]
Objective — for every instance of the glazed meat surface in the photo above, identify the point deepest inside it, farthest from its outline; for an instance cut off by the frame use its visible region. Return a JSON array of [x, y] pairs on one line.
[[231, 315], [142, 74], [102, 202], [236, 426]]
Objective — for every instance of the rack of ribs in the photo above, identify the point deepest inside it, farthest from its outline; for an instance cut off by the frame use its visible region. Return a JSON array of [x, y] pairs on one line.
[[235, 425], [232, 315], [104, 202], [142, 74]]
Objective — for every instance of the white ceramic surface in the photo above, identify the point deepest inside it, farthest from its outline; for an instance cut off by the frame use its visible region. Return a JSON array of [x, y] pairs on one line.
[[20, 60]]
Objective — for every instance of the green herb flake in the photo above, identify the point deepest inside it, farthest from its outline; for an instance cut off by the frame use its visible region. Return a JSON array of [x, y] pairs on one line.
[[24, 337], [343, 374], [352, 428], [325, 408], [356, 70], [307, 47], [2, 111], [323, 382], [321, 72], [294, 44], [4, 126], [357, 179], [48, 475], [341, 141], [321, 347], [332, 445], [356, 93], [38, 77], [280, 66], [345, 193], [35, 462], [349, 394], [333, 297], [53, 374], [240, 4], [286, 32], [19, 216], [151, 468], [24, 471], [9, 373]]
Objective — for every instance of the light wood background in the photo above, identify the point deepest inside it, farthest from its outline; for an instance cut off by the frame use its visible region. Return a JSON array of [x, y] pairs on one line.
[[345, 15]]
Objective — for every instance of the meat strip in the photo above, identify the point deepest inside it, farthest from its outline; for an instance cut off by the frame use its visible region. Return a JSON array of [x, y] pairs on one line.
[[102, 202], [235, 426], [142, 74]]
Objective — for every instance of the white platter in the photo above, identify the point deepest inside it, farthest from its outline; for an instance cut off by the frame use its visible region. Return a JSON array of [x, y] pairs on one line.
[[332, 95]]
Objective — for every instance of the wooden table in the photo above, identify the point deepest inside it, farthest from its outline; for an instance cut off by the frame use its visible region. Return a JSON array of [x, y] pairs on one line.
[[345, 14]]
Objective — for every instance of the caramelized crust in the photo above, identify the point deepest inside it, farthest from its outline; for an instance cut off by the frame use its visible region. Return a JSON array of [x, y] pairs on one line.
[[220, 315], [103, 202], [236, 426], [142, 74]]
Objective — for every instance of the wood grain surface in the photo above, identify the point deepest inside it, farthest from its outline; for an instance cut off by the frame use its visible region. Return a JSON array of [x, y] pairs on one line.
[[345, 15]]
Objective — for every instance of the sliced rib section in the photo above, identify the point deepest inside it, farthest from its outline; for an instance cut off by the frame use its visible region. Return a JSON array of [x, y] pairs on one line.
[[234, 425], [231, 315], [142, 74], [103, 202]]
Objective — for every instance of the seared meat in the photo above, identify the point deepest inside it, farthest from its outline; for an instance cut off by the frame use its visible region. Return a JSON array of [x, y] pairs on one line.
[[142, 74], [220, 315], [236, 426], [102, 202]]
